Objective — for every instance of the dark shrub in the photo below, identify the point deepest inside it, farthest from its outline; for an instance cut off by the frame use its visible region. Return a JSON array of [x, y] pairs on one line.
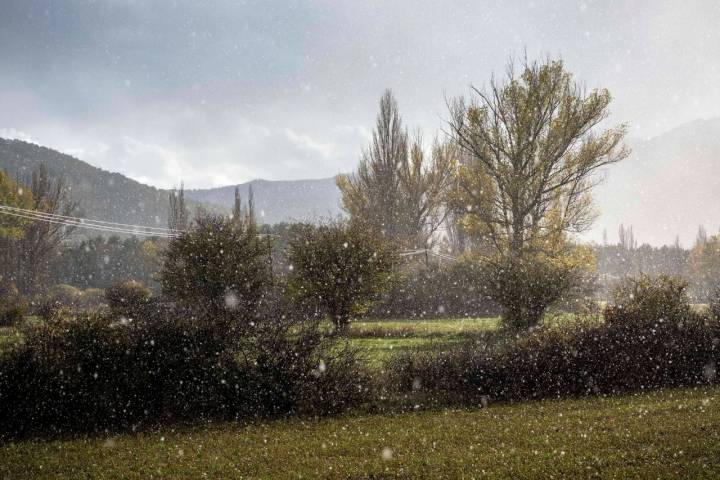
[[87, 373], [66, 295], [714, 307], [305, 372], [525, 287], [92, 298], [343, 266], [220, 265], [449, 290], [649, 301], [631, 353], [58, 297], [93, 372], [127, 298], [13, 306], [571, 361]]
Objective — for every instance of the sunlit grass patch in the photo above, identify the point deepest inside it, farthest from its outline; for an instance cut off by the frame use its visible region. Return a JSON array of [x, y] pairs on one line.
[[422, 327], [379, 350], [383, 339], [9, 336]]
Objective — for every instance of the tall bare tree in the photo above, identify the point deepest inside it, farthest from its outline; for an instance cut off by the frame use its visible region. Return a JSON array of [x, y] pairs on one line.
[[532, 153], [178, 215], [237, 208], [626, 237], [702, 236], [42, 238], [251, 203], [397, 189], [244, 217]]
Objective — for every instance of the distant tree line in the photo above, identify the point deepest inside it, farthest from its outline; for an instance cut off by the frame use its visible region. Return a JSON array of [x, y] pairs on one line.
[[699, 264], [100, 262]]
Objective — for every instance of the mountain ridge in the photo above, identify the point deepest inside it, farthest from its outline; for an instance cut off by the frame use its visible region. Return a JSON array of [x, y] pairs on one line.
[[101, 194], [279, 200], [669, 185]]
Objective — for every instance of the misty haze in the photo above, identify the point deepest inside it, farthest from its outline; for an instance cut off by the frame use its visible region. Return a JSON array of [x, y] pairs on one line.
[[312, 239]]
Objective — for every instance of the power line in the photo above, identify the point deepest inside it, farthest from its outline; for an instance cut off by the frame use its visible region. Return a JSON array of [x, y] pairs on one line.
[[86, 220], [75, 222], [141, 230], [87, 225], [100, 225], [412, 252], [428, 251]]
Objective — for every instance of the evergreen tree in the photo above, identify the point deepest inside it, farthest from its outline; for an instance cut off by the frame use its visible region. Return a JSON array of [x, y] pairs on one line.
[[178, 216]]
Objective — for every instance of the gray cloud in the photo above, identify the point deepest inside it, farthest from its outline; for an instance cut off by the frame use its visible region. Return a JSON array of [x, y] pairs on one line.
[[225, 91]]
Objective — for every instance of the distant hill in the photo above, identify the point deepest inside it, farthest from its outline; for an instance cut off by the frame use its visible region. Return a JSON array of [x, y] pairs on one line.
[[280, 201], [101, 195], [110, 196], [669, 186]]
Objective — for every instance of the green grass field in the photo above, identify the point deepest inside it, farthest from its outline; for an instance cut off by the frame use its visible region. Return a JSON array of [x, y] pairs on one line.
[[381, 339], [674, 434]]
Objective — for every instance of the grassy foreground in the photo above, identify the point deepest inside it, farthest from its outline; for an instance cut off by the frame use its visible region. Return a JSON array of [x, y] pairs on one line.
[[673, 434]]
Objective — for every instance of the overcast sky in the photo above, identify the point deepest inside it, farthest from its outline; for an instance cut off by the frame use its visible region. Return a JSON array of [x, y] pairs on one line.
[[222, 92]]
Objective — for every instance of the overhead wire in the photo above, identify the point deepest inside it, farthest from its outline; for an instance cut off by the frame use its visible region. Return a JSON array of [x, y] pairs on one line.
[[87, 220], [87, 225], [141, 230]]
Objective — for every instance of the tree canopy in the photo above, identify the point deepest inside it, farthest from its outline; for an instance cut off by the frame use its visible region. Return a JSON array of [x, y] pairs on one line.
[[531, 150], [399, 189], [14, 196]]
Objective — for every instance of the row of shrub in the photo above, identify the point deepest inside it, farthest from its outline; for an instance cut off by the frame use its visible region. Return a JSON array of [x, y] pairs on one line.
[[14, 306], [226, 338], [93, 371], [436, 291], [122, 298], [651, 338], [520, 291]]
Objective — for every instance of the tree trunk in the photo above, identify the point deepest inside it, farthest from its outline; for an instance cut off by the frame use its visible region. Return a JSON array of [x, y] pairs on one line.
[[517, 242], [340, 323]]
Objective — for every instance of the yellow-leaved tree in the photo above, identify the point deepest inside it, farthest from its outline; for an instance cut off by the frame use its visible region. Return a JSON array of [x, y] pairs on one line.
[[12, 197], [531, 149], [705, 268], [12, 224]]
